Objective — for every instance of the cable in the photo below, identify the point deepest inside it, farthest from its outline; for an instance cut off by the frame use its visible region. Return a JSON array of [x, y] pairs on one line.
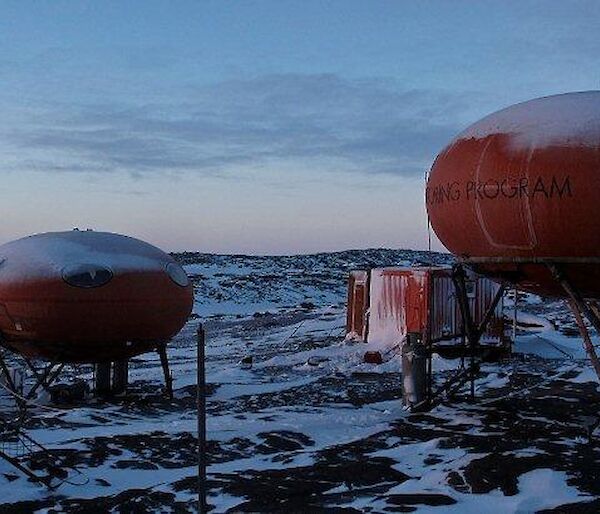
[[554, 346]]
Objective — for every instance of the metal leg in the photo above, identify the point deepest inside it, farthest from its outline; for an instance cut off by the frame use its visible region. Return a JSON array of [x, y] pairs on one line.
[[164, 361], [45, 379], [574, 295], [102, 375], [587, 341], [578, 306], [120, 376]]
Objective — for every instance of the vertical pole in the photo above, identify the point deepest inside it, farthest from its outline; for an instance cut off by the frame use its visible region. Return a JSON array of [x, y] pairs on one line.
[[516, 301], [201, 407]]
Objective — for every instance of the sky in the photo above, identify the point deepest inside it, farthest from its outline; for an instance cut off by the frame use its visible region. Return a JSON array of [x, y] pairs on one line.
[[263, 127]]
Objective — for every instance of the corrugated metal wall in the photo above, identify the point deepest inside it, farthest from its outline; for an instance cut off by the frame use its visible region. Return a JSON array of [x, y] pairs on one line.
[[446, 319]]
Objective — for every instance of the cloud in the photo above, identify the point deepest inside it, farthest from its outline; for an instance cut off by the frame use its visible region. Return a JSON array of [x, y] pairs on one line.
[[323, 121]]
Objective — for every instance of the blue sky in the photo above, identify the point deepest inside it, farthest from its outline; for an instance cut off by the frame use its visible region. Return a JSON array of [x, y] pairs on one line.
[[261, 127]]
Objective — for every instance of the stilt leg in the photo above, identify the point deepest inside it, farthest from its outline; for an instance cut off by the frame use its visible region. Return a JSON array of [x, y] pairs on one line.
[[164, 361], [120, 376], [587, 341], [102, 385], [579, 306]]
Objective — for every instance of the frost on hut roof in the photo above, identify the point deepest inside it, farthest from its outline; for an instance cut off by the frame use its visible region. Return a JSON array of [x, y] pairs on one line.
[[570, 119], [44, 255]]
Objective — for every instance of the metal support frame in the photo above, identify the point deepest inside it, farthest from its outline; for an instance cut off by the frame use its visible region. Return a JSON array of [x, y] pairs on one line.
[[471, 330], [11, 431], [471, 335], [578, 304], [44, 379], [429, 344]]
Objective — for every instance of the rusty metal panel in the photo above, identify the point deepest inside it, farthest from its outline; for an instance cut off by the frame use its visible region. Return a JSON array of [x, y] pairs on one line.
[[398, 304], [358, 302]]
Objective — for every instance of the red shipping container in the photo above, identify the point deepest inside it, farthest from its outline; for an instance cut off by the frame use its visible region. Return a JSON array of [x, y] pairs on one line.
[[423, 299]]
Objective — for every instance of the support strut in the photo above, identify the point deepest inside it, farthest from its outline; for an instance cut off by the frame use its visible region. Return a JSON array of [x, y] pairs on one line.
[[15, 444], [579, 306], [164, 361]]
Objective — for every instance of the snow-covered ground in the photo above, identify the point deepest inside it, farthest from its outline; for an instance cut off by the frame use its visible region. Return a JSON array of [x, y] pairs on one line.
[[310, 427]]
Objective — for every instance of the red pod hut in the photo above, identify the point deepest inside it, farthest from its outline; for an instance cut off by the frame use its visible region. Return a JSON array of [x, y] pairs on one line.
[[517, 195], [84, 296]]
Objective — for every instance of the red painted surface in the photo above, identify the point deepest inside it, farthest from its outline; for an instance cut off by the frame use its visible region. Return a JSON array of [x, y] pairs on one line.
[[524, 183], [41, 315], [358, 301], [423, 300]]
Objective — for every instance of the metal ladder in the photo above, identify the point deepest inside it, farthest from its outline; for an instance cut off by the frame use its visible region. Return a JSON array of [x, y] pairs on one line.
[[20, 450]]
